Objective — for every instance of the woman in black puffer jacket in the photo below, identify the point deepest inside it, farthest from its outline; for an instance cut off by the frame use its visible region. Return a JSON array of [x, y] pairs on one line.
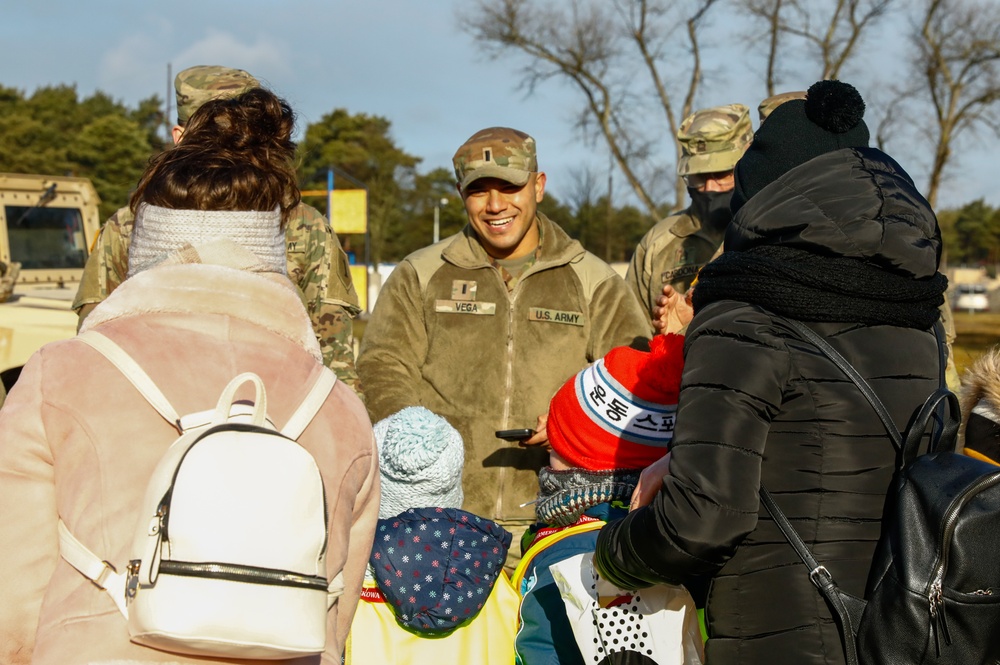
[[834, 234]]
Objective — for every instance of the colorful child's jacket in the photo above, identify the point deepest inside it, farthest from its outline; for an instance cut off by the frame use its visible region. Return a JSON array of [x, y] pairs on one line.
[[545, 636]]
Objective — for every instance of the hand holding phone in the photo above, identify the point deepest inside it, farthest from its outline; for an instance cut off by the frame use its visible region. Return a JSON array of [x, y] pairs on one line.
[[515, 434]]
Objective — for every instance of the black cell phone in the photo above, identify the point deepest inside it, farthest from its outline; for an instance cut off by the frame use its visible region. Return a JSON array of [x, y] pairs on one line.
[[515, 434]]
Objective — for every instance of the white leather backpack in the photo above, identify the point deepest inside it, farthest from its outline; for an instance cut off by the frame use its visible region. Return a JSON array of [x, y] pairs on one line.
[[228, 556]]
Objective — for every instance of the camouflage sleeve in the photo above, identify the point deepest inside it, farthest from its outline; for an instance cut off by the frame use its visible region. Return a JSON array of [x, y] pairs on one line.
[[318, 266], [107, 264]]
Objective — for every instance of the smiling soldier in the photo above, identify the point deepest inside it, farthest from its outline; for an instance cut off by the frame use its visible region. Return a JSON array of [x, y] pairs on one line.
[[483, 327]]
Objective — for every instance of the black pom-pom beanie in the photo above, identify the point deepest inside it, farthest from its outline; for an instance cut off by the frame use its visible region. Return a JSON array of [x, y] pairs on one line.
[[829, 118]]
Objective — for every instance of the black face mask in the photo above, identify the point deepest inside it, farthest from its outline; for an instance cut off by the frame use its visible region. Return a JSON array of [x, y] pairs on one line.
[[711, 209]]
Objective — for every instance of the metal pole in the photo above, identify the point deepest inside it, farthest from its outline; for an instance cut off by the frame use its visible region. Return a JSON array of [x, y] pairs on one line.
[[437, 222], [167, 124], [329, 194]]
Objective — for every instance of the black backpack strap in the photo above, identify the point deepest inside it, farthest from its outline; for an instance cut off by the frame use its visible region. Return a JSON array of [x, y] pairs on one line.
[[944, 440], [847, 368], [848, 608], [947, 437]]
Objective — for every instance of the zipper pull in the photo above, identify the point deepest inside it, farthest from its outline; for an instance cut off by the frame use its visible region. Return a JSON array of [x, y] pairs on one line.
[[939, 624], [943, 620], [934, 600], [132, 580]]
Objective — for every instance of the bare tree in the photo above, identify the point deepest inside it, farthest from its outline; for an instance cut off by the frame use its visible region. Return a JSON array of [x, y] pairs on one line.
[[600, 47], [637, 65], [958, 55], [768, 12], [830, 31]]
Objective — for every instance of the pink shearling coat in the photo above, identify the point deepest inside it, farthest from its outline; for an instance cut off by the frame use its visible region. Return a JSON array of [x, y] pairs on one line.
[[78, 442]]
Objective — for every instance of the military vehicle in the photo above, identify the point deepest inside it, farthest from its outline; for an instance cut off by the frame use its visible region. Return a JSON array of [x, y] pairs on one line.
[[47, 225]]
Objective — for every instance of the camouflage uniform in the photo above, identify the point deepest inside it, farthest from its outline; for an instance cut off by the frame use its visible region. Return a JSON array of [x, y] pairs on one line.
[[496, 152], [774, 101], [196, 85], [675, 249], [316, 264]]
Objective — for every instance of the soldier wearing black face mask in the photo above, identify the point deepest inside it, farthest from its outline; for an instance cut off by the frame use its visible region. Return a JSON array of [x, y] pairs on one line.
[[675, 249]]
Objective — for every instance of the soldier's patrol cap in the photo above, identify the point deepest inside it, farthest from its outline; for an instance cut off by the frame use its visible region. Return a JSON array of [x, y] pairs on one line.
[[196, 85], [714, 139], [496, 152], [774, 101]]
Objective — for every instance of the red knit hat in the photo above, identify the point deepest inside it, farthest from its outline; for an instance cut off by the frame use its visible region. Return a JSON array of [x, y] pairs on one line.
[[619, 412]]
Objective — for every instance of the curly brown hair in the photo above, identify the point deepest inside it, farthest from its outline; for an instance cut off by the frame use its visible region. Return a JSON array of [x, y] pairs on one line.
[[236, 154]]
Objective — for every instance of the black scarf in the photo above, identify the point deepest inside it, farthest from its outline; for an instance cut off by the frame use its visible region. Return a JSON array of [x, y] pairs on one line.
[[809, 287]]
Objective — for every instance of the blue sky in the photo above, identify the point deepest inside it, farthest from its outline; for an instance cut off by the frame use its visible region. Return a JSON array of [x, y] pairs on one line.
[[406, 60]]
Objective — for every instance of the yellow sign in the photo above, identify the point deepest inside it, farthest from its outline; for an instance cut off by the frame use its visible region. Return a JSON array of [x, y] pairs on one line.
[[359, 275], [348, 210]]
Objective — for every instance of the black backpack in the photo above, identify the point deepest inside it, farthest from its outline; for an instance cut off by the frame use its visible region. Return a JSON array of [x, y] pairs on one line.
[[933, 592]]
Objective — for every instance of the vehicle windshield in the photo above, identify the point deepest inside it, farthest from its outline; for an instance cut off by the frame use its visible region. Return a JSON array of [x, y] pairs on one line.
[[46, 237]]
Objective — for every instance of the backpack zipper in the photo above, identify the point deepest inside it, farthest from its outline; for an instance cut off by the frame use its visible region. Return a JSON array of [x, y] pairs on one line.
[[240, 573], [935, 592], [233, 572]]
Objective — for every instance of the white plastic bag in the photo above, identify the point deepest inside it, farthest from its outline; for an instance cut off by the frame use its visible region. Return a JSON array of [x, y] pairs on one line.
[[660, 622]]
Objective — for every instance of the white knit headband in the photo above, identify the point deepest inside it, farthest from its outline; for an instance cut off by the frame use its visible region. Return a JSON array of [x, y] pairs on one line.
[[614, 408], [160, 232]]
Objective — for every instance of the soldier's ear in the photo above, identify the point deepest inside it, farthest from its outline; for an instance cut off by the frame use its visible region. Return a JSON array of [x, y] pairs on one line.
[[539, 186], [176, 133]]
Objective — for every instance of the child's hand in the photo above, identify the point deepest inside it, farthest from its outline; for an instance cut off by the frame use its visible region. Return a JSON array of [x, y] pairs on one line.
[[650, 482], [540, 437]]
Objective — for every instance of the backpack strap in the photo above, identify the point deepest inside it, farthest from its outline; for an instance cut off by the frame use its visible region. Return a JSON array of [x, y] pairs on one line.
[[310, 405], [847, 607], [847, 368], [293, 429], [931, 409], [134, 373], [101, 573], [909, 448], [335, 589]]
